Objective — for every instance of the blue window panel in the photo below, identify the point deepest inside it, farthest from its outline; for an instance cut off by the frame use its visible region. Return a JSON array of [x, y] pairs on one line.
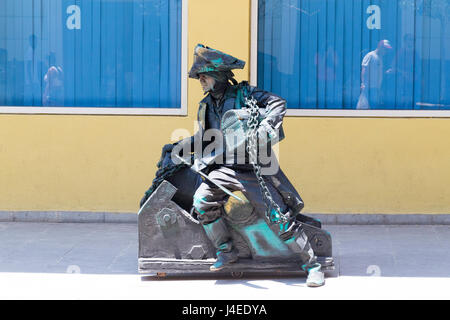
[[331, 37], [125, 54], [18, 66], [291, 66], [358, 52], [3, 57], [152, 70], [175, 46], [31, 58], [347, 64], [320, 62], [339, 64], [137, 55], [304, 55], [68, 59], [96, 58], [311, 52], [164, 56]]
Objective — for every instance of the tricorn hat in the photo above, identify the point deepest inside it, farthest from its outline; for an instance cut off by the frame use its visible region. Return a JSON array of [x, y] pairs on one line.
[[207, 59]]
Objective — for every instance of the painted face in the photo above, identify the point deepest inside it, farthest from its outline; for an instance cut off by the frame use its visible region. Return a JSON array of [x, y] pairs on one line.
[[207, 82]]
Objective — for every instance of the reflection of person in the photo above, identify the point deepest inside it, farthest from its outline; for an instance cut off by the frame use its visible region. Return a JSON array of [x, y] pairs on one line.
[[213, 69], [326, 64], [403, 67], [53, 94], [31, 67], [403, 59], [3, 61], [372, 76]]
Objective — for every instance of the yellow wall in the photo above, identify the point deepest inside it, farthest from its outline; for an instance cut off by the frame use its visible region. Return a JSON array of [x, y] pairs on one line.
[[340, 165], [369, 165]]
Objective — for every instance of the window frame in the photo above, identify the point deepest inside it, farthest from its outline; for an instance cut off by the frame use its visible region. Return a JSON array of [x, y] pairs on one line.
[[179, 111], [329, 112]]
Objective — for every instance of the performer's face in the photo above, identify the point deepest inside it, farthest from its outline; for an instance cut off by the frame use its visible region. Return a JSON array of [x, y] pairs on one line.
[[207, 82]]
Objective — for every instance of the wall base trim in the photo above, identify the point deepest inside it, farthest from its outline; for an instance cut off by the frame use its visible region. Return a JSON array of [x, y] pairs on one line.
[[130, 217], [67, 216], [383, 219]]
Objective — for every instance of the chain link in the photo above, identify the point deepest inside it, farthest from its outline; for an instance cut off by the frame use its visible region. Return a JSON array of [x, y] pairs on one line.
[[252, 150]]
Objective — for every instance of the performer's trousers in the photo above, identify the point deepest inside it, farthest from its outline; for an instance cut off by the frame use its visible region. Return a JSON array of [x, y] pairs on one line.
[[209, 199]]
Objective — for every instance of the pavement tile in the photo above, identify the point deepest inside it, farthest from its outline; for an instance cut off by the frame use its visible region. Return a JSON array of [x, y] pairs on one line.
[[110, 248], [415, 239], [442, 233], [367, 263]]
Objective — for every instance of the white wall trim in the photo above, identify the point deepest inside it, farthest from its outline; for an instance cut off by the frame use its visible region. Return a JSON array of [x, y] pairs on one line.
[[92, 110], [329, 112], [182, 111], [254, 42], [184, 58], [369, 113]]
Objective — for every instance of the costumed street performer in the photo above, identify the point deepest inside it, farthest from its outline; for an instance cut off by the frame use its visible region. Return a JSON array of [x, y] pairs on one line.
[[270, 192]]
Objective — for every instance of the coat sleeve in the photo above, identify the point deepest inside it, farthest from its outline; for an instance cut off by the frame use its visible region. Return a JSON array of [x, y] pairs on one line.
[[275, 106]]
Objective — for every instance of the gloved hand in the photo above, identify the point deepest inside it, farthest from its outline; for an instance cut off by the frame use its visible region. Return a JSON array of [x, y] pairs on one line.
[[266, 133]]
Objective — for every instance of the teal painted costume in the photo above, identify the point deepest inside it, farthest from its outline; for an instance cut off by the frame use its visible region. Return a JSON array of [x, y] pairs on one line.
[[209, 200], [210, 60]]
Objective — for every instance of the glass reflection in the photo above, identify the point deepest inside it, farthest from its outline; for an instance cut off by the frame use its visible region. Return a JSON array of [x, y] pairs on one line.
[[383, 54], [102, 53], [372, 71]]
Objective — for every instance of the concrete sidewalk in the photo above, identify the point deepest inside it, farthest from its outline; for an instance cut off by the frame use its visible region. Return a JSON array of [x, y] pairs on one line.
[[381, 261]]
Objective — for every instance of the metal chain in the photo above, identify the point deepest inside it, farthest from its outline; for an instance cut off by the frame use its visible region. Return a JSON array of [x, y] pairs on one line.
[[252, 150]]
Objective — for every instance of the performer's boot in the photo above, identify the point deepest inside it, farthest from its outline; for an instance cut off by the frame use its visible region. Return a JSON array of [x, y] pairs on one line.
[[219, 235], [316, 278], [296, 239]]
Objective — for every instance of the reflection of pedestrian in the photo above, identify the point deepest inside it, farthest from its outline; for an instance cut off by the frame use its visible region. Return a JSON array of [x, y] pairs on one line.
[[326, 64], [403, 62], [372, 76], [32, 70], [403, 68], [53, 94], [3, 61]]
